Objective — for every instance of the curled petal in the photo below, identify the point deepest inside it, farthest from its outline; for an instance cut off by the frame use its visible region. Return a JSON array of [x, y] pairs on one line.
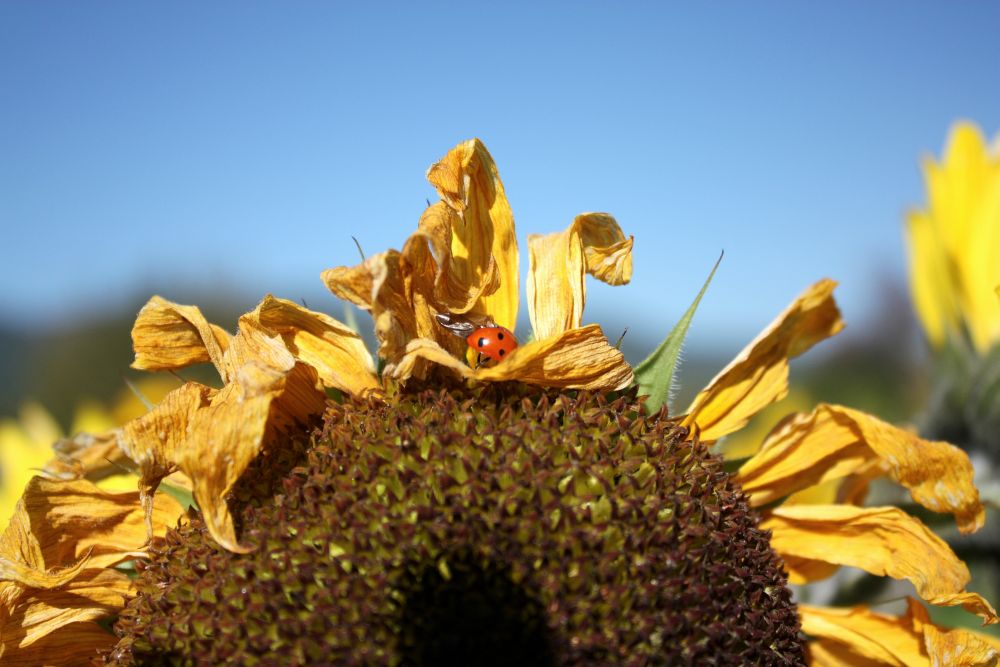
[[855, 635], [861, 636], [467, 181], [884, 541], [37, 624], [68, 520], [336, 352], [428, 250], [169, 336], [594, 244], [575, 359], [833, 442], [154, 441], [86, 455], [758, 376], [76, 644], [419, 353], [380, 285]]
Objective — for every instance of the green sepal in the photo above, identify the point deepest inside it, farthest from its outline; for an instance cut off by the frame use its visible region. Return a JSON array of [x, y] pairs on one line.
[[655, 375]]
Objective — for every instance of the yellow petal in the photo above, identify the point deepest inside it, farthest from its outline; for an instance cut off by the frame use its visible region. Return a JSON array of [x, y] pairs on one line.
[[169, 336], [884, 541], [268, 393], [419, 353], [575, 359], [467, 181], [336, 352], [953, 256], [70, 520], [37, 623], [155, 440], [88, 456], [833, 442], [428, 251], [594, 244], [379, 285], [864, 637], [77, 644], [758, 376], [932, 285]]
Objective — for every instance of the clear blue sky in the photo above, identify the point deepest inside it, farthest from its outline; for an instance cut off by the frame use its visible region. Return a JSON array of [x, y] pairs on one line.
[[166, 146]]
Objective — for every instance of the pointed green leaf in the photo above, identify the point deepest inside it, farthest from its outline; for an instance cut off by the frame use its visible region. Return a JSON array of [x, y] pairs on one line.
[[655, 375]]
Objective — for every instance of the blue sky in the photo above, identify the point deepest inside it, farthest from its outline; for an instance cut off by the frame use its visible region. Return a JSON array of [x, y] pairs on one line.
[[169, 147]]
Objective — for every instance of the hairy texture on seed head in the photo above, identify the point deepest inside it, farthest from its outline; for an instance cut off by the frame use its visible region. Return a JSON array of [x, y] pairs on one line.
[[485, 527]]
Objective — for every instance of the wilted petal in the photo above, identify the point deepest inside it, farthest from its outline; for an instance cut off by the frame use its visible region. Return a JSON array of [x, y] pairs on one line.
[[758, 376], [70, 520], [467, 180], [154, 441], [379, 285], [55, 627], [419, 353], [833, 442], [556, 290], [269, 391], [575, 359], [884, 541], [428, 251], [336, 352], [168, 336], [87, 455], [74, 645], [860, 636]]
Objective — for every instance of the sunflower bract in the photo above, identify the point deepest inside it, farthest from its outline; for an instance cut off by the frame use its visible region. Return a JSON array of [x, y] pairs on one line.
[[487, 526]]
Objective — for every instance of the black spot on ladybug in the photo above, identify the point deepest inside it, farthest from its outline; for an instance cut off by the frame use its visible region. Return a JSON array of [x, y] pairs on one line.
[[503, 352], [482, 342], [499, 335]]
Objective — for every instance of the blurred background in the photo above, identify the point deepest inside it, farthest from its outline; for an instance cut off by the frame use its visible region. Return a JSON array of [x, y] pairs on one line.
[[213, 153]]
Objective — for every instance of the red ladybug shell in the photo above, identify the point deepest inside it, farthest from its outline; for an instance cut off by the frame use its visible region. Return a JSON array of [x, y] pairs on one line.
[[491, 343]]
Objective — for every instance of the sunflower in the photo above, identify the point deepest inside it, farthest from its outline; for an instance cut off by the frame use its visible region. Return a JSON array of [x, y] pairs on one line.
[[955, 286], [537, 509]]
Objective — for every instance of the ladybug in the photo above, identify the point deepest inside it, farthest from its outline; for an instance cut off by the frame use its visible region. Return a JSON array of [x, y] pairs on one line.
[[490, 341]]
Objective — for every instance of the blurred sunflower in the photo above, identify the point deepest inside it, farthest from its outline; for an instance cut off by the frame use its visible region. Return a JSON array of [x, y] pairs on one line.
[[954, 245], [26, 442], [535, 510]]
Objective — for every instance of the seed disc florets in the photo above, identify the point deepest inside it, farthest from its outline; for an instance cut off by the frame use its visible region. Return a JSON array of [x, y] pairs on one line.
[[483, 527]]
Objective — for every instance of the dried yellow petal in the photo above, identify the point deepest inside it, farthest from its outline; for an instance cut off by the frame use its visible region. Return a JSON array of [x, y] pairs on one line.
[[467, 181], [168, 336], [860, 636], [336, 352], [75, 645], [425, 350], [758, 376], [38, 624], [556, 290], [73, 519], [833, 442], [884, 541], [575, 359]]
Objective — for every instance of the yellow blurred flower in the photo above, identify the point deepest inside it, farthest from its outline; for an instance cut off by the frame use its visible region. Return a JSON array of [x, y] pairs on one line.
[[463, 260], [26, 442], [955, 243]]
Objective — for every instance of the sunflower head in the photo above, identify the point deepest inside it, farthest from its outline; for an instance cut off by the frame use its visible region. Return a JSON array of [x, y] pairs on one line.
[[479, 527]]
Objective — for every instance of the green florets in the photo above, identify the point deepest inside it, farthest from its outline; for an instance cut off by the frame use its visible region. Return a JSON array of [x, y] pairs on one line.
[[476, 528]]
